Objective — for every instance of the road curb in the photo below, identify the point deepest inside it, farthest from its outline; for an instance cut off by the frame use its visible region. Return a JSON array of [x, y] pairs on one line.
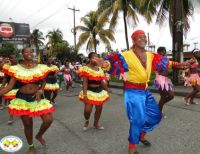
[[152, 89]]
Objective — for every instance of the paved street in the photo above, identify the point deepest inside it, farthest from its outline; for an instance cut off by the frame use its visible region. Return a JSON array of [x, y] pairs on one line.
[[178, 134]]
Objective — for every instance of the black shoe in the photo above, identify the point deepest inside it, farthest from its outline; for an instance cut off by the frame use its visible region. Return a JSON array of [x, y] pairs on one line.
[[145, 142]]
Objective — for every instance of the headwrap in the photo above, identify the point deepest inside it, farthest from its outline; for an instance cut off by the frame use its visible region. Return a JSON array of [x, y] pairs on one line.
[[135, 34]]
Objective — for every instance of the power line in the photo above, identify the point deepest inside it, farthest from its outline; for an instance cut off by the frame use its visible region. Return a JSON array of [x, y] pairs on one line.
[[51, 15], [38, 10]]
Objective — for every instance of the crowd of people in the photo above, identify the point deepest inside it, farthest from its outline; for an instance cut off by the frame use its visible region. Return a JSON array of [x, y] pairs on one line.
[[29, 89]]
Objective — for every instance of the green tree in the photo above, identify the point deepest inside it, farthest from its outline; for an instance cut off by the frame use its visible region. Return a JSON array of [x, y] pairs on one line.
[[55, 36], [93, 31], [8, 49], [129, 9], [37, 39]]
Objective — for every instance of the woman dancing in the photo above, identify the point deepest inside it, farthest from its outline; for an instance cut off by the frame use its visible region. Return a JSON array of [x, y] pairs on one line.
[[51, 87], [28, 77], [67, 76], [93, 93], [163, 84], [194, 78]]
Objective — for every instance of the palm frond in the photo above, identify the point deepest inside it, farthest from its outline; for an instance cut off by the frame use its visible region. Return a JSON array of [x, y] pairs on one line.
[[82, 39], [131, 14]]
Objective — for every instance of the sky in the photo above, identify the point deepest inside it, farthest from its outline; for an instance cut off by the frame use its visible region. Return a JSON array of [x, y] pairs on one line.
[[47, 15]]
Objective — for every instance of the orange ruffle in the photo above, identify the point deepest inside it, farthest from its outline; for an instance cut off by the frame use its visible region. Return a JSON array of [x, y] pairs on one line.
[[30, 114]]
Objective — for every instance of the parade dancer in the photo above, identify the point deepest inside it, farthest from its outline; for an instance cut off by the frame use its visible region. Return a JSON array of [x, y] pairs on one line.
[[94, 91], [163, 84], [67, 76], [194, 78], [51, 86], [142, 109], [29, 78], [11, 94]]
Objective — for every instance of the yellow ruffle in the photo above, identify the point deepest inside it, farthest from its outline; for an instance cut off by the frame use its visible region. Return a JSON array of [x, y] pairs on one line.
[[51, 87], [25, 74], [54, 68], [20, 104], [11, 93], [95, 97], [88, 72], [108, 65]]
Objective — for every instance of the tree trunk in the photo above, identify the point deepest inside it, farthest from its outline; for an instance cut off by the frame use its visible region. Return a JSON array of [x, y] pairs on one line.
[[177, 36], [126, 31], [95, 43]]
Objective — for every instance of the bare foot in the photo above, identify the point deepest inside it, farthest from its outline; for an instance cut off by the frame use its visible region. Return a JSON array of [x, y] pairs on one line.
[[31, 150], [41, 140]]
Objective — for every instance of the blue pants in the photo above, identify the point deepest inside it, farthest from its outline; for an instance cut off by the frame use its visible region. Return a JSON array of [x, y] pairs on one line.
[[142, 111]]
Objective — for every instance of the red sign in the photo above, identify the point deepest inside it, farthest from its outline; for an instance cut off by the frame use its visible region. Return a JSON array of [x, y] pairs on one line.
[[6, 30]]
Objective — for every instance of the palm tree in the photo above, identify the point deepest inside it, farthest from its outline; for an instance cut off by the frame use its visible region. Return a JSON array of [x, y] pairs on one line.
[[54, 37], [178, 13], [37, 39], [129, 8], [93, 31]]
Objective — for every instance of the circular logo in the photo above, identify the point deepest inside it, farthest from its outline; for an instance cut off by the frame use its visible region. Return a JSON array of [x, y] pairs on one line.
[[11, 144], [6, 30]]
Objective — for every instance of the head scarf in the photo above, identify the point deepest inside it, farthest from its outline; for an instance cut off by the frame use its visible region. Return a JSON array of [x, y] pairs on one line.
[[135, 34]]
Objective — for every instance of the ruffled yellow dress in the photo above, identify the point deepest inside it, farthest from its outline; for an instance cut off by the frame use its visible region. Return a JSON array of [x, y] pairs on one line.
[[20, 107], [94, 97]]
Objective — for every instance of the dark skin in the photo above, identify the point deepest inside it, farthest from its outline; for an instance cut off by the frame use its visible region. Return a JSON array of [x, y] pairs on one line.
[[165, 96], [68, 83], [190, 97], [31, 89], [88, 107], [49, 93]]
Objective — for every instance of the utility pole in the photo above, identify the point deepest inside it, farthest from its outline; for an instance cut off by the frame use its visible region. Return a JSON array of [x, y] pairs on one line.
[[177, 29], [195, 45], [74, 29]]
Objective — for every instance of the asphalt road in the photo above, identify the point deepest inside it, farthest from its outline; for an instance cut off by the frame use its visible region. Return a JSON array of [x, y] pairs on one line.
[[179, 133]]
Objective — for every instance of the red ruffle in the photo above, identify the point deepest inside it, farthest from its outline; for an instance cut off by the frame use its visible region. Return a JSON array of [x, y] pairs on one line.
[[6, 71], [9, 97], [91, 77], [28, 113], [96, 102]]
